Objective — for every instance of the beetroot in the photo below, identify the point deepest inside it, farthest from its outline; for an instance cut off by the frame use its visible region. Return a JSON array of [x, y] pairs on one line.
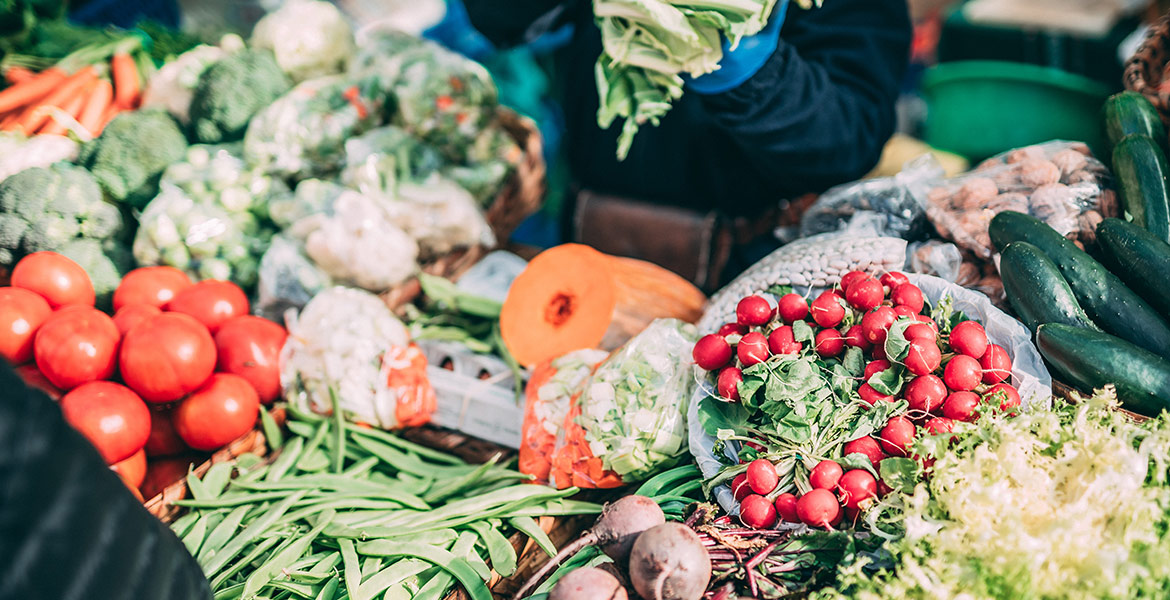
[[669, 562], [588, 583], [617, 527]]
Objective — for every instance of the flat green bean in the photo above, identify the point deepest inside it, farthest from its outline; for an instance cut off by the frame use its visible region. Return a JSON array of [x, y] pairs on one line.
[[459, 567], [284, 557], [194, 538], [272, 433], [263, 546], [235, 500], [529, 527], [195, 486], [230, 593], [405, 445], [353, 570], [370, 565], [285, 460], [437, 586], [391, 575], [500, 550], [251, 532], [339, 424], [329, 591], [222, 533], [302, 590]]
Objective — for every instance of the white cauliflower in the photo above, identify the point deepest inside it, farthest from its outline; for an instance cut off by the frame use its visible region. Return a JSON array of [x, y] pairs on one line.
[[441, 216], [310, 38], [357, 242], [172, 86], [18, 153]]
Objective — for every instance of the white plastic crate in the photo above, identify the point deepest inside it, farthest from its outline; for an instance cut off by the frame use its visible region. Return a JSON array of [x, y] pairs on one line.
[[476, 395]]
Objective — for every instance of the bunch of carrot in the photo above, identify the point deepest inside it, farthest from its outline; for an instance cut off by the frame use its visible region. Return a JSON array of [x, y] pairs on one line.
[[84, 90]]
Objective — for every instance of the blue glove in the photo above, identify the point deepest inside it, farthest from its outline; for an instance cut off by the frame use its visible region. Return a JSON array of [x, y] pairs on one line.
[[456, 33], [748, 57]]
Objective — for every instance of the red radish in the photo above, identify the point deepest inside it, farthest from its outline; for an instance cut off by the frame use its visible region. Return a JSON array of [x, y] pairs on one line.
[[883, 489], [920, 330], [669, 562], [828, 310], [853, 277], [962, 373], [867, 446], [939, 425], [761, 476], [879, 351], [864, 295], [923, 356], [783, 341], [926, 393], [792, 308], [711, 352], [588, 583], [857, 487], [829, 343], [876, 366], [838, 292], [731, 329], [825, 475], [969, 338], [740, 487], [908, 295], [753, 311], [786, 507], [961, 406], [996, 364], [752, 349], [621, 523], [872, 396], [893, 279], [757, 512], [855, 338], [904, 311], [818, 508], [728, 383], [1007, 396], [876, 324], [897, 436]]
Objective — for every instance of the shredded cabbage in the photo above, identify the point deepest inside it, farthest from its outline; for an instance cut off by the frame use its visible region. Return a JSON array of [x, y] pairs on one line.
[[1072, 503]]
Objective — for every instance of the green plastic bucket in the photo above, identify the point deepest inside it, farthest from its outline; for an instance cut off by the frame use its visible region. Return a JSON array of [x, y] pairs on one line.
[[981, 108]]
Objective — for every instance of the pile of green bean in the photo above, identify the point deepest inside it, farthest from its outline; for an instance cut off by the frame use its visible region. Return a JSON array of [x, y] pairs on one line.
[[347, 512]]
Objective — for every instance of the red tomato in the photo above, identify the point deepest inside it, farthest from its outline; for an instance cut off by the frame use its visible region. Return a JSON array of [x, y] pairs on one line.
[[225, 408], [33, 378], [154, 286], [110, 416], [21, 314], [132, 470], [250, 347], [132, 314], [167, 357], [77, 346], [163, 472], [163, 440], [211, 302], [60, 280]]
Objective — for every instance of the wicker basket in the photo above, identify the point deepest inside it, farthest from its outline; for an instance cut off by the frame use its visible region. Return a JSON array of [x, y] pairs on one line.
[[1145, 71]]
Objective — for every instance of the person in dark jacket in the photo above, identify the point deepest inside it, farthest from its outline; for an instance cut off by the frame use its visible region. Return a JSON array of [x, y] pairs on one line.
[[69, 527], [806, 104]]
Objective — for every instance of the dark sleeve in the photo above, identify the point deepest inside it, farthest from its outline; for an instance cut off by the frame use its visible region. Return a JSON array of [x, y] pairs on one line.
[[820, 110], [69, 528], [519, 21]]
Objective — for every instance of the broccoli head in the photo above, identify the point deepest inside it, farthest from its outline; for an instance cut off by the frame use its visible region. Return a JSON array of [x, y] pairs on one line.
[[231, 91], [105, 267], [128, 158], [45, 208]]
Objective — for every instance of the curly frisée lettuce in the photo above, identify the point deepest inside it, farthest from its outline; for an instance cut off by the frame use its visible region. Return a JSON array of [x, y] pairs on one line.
[[1072, 503], [633, 407]]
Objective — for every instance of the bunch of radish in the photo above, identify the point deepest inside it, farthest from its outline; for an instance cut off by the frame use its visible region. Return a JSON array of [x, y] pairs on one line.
[[947, 375]]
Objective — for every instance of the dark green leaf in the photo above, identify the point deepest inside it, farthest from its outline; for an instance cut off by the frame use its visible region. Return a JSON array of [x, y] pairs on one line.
[[900, 474], [801, 332], [716, 414], [889, 381], [778, 290], [897, 346], [858, 461], [748, 388], [853, 361]]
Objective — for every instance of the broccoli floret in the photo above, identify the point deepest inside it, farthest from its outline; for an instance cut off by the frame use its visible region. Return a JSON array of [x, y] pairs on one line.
[[48, 208], [102, 269], [128, 158], [231, 91]]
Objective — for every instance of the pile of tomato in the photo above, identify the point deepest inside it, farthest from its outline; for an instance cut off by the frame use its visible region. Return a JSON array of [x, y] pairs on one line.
[[178, 367]]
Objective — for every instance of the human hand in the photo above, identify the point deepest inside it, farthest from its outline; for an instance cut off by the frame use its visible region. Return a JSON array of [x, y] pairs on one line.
[[738, 65]]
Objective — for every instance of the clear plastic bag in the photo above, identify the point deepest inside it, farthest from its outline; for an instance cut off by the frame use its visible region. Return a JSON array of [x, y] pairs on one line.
[[1029, 375], [376, 161], [1058, 182], [441, 216], [935, 257], [346, 347], [551, 390], [629, 419], [288, 279], [875, 207]]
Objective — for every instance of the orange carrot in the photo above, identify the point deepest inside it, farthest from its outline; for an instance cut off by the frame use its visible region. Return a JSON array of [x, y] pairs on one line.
[[18, 74], [111, 111], [93, 113], [125, 73], [34, 89], [36, 116], [73, 108]]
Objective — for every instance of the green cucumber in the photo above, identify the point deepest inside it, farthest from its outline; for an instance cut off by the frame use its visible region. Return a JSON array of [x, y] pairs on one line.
[[1140, 167], [1114, 307], [1130, 112], [1142, 260], [1036, 289], [1090, 359]]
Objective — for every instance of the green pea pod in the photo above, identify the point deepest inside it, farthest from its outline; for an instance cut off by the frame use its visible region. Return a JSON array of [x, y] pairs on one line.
[[183, 524], [461, 568], [229, 593], [313, 461], [307, 577], [353, 569], [263, 546], [272, 434], [228, 502], [500, 550], [195, 486], [339, 425], [284, 557], [216, 479], [285, 461], [385, 578], [389, 546], [329, 592], [529, 527], [405, 445], [194, 538], [436, 588], [301, 590], [222, 533], [250, 533]]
